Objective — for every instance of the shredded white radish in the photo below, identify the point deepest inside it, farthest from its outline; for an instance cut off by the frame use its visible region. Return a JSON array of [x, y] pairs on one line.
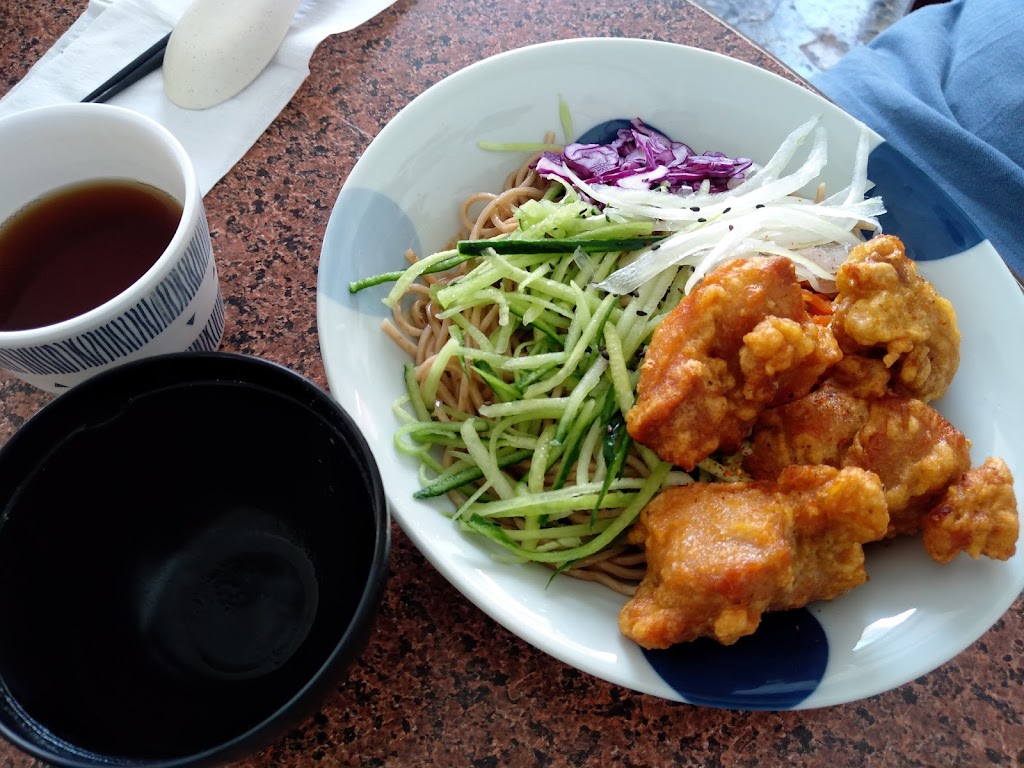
[[763, 214]]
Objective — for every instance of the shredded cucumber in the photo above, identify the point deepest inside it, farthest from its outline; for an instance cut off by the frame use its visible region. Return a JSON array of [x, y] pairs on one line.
[[519, 146], [565, 117], [586, 242], [637, 501], [561, 366]]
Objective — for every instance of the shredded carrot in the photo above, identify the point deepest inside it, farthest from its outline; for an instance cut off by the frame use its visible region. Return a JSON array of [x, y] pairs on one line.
[[817, 304]]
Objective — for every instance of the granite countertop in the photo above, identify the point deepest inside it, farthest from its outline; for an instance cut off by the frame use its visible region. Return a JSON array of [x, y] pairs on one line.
[[441, 683]]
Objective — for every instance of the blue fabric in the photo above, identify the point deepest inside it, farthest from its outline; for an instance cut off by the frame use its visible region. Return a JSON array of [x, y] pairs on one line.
[[945, 86]]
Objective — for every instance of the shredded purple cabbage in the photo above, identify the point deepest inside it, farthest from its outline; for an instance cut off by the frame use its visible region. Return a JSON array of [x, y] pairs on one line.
[[643, 158]]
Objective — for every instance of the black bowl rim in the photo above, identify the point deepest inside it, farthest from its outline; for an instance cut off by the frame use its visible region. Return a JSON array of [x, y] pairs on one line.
[[364, 613]]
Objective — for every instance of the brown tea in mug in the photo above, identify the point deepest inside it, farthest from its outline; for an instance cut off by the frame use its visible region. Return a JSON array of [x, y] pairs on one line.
[[78, 247]]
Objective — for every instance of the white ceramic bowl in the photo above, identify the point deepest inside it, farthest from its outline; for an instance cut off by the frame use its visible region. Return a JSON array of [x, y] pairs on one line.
[[404, 192]]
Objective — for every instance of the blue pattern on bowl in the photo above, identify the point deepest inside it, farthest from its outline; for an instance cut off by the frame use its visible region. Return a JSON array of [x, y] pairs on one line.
[[927, 220], [606, 132], [776, 668], [367, 222]]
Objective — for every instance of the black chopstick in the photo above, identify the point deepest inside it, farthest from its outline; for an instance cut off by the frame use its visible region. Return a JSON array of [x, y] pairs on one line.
[[147, 62]]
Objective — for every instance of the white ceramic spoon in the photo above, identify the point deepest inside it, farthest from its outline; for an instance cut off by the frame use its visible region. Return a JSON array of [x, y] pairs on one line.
[[218, 47]]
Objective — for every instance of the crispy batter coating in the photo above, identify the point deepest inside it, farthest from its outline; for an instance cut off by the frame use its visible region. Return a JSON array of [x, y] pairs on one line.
[[720, 554], [739, 342], [864, 377], [782, 359], [817, 429], [978, 515], [885, 308], [915, 452]]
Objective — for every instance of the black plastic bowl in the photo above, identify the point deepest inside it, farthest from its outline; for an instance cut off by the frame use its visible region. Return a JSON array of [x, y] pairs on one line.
[[192, 547]]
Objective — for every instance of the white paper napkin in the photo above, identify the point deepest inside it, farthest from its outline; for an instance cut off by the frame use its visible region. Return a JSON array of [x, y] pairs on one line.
[[111, 33]]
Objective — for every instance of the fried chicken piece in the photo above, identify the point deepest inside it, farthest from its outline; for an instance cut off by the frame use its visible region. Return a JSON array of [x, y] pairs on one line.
[[817, 429], [915, 452], [885, 308], [864, 377], [782, 359], [978, 515], [720, 554], [739, 342]]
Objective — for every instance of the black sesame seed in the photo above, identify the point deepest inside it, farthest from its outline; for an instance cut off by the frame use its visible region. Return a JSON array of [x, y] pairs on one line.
[[726, 210], [701, 221], [641, 313], [695, 208], [759, 205]]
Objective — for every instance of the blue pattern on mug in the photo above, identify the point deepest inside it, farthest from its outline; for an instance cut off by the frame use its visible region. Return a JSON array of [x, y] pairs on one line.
[[133, 329], [209, 338]]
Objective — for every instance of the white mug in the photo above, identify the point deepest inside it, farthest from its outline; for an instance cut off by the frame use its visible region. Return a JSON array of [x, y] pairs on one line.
[[174, 306]]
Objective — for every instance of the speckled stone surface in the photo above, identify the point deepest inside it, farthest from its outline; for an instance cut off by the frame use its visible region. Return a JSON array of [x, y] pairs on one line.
[[440, 683]]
